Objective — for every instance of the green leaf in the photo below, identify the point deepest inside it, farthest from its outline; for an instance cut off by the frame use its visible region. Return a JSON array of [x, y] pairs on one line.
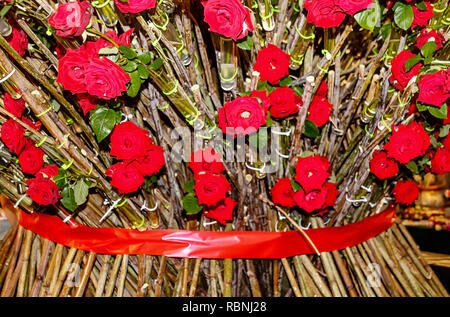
[[403, 15], [411, 62], [440, 113], [295, 186], [68, 198], [145, 58], [443, 132], [421, 107], [127, 52], [385, 30], [191, 205], [368, 18], [130, 66], [189, 186], [298, 90], [81, 191], [143, 72], [286, 81], [311, 130], [246, 43], [135, 84], [102, 121], [156, 64], [412, 166], [428, 49], [421, 6]]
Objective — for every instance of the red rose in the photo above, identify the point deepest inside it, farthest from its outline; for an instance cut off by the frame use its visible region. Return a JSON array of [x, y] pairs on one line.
[[72, 70], [310, 201], [135, 6], [105, 79], [430, 35], [206, 161], [434, 89], [49, 171], [284, 102], [43, 191], [128, 141], [407, 142], [263, 98], [440, 164], [282, 193], [421, 17], [15, 106], [406, 192], [70, 19], [332, 193], [123, 39], [125, 177], [353, 6], [152, 161], [13, 136], [311, 172], [411, 109], [18, 38], [381, 166], [323, 89], [324, 13], [210, 188], [243, 115], [446, 142], [223, 212], [87, 102], [35, 125], [400, 78], [319, 111], [228, 18], [31, 159], [272, 63]]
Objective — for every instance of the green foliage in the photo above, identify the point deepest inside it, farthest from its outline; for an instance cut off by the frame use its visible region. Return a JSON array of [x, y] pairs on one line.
[[369, 18], [246, 43], [103, 121], [311, 130], [403, 15], [191, 205]]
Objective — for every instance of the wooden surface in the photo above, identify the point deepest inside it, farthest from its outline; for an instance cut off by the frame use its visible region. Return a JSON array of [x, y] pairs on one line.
[[437, 259]]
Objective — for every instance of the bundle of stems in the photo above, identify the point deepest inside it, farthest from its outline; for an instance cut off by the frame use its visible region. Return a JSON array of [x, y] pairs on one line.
[[349, 58]]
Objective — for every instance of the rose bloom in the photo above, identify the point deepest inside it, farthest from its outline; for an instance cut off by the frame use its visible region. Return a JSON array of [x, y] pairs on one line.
[[18, 38], [323, 89], [381, 166], [430, 35], [434, 88], [407, 142], [400, 77], [332, 193], [406, 192], [152, 161], [440, 164], [324, 13], [105, 79], [282, 193], [48, 171], [31, 159], [311, 201], [35, 125], [222, 212], [229, 18], [13, 135], [311, 172], [43, 191], [263, 98], [206, 160], [87, 102], [272, 63], [15, 106], [72, 70], [125, 177], [129, 142], [242, 116], [72, 18], [210, 188], [93, 47], [319, 111], [421, 17], [353, 6], [284, 102], [135, 6]]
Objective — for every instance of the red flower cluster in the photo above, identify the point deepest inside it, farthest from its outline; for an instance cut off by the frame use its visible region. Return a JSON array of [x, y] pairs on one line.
[[31, 160], [421, 18], [272, 63], [430, 35], [18, 38], [381, 166], [83, 71], [316, 194], [140, 157], [72, 18], [17, 107], [406, 192], [135, 6], [228, 18], [284, 102], [400, 77], [331, 13], [434, 88], [211, 187]]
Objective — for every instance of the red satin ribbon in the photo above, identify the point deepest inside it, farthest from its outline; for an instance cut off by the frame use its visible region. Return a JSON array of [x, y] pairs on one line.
[[206, 244]]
